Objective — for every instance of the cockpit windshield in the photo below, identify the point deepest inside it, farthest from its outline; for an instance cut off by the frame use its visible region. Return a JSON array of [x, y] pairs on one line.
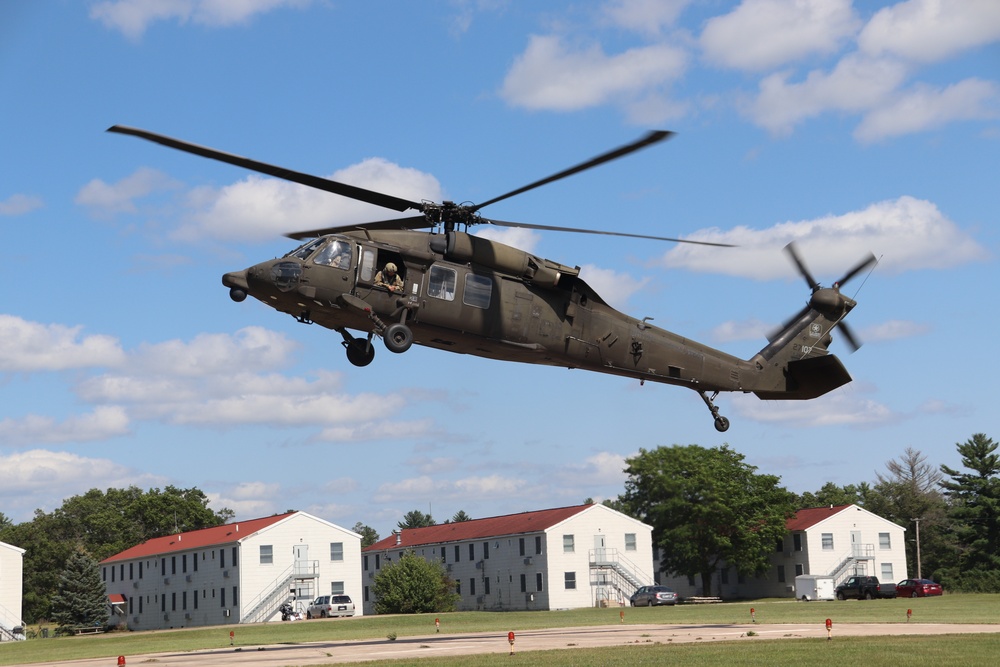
[[306, 249], [336, 254]]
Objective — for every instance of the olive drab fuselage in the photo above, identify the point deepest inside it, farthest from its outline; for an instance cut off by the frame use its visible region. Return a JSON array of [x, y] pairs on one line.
[[469, 295]]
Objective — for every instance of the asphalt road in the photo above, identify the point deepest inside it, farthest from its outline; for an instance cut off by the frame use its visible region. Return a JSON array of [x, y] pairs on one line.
[[438, 645]]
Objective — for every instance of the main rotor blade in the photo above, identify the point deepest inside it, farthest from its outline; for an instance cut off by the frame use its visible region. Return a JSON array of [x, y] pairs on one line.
[[861, 266], [794, 254], [350, 191], [414, 222], [576, 230], [651, 138]]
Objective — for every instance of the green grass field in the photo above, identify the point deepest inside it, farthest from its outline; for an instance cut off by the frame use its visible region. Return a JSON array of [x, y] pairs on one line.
[[951, 650]]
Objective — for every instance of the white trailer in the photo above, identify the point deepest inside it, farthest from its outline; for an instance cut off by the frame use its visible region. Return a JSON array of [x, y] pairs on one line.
[[813, 587]]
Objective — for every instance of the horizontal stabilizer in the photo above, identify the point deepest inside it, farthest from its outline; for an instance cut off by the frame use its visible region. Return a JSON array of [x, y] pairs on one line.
[[809, 378]]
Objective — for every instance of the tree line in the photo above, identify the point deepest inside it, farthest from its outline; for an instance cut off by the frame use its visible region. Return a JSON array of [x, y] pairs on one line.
[[706, 505]]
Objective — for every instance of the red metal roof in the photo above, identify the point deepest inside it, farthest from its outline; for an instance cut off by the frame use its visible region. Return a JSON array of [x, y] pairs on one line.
[[477, 529], [808, 518], [116, 598], [197, 539]]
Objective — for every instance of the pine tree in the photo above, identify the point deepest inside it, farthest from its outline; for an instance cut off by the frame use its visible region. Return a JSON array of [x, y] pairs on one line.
[[82, 599]]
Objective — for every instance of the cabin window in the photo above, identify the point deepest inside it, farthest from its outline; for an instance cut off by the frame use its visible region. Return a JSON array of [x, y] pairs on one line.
[[441, 283], [478, 291], [336, 254], [367, 265]]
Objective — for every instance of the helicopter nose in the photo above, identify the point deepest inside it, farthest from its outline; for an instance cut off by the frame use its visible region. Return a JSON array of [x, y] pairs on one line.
[[236, 281]]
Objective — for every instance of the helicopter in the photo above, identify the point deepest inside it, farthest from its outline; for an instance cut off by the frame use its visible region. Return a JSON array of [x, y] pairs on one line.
[[462, 293]]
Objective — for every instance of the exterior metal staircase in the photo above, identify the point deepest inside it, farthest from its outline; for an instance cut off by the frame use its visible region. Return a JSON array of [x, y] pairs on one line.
[[281, 590], [612, 576], [858, 556]]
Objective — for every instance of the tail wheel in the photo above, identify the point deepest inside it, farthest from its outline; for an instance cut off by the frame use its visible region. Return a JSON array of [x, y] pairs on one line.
[[398, 338]]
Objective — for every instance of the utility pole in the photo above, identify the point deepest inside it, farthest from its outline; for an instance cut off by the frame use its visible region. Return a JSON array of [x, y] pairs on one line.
[[917, 521]]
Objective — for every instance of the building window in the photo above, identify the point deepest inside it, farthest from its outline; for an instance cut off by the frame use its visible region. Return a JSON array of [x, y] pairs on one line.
[[444, 557], [884, 542], [378, 561], [336, 588], [458, 553], [538, 544], [827, 539], [222, 596], [235, 550], [184, 601], [887, 572], [173, 602], [140, 568], [236, 599], [173, 565], [779, 545], [194, 557], [486, 586], [364, 562], [570, 580], [195, 599], [472, 551], [486, 550], [472, 586], [569, 544], [520, 547], [781, 573], [222, 560], [458, 586], [366, 594], [538, 581], [184, 563], [524, 583], [630, 542], [267, 554], [798, 569], [336, 551], [131, 571], [797, 541]]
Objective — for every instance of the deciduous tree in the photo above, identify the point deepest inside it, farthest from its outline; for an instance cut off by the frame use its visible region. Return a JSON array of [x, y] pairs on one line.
[[707, 507], [412, 585]]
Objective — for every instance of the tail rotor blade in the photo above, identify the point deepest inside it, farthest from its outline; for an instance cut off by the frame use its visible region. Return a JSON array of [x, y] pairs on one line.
[[794, 254], [861, 266], [849, 336]]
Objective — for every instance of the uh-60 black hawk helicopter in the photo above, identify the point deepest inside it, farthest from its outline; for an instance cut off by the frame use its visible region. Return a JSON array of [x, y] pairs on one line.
[[467, 294]]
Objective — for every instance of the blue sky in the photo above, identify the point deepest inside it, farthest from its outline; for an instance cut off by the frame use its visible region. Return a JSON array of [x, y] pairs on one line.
[[848, 127]]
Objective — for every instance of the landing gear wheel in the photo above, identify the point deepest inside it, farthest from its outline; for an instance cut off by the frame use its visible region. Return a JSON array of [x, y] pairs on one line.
[[721, 423], [398, 338], [360, 352]]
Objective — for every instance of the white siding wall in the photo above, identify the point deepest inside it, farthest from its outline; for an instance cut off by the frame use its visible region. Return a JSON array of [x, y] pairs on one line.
[[812, 558], [543, 557], [11, 583], [164, 595]]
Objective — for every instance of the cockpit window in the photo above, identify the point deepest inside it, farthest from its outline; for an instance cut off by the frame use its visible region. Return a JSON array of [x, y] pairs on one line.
[[306, 249], [336, 254]]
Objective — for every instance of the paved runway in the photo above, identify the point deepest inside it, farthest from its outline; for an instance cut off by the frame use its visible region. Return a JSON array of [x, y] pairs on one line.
[[438, 645]]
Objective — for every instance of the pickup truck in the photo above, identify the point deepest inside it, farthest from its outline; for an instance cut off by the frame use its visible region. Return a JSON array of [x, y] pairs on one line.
[[864, 588]]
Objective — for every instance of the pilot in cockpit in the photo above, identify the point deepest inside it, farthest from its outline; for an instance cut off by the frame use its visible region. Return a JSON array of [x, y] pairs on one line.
[[336, 254]]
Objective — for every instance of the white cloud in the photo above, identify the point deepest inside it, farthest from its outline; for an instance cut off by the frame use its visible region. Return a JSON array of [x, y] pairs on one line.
[[133, 17], [261, 209], [907, 234], [894, 330], [855, 85], [31, 346], [647, 17], [19, 204], [752, 329], [927, 107], [516, 237], [553, 76], [842, 407], [763, 34], [107, 200], [30, 478], [103, 423], [249, 349], [615, 288], [931, 30]]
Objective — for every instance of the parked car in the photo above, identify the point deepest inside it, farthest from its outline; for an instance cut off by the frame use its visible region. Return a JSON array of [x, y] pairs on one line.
[[865, 588], [650, 596], [330, 605], [917, 588]]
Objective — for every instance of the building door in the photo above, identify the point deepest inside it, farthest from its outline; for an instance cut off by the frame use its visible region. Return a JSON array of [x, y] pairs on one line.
[[301, 566], [600, 549], [856, 549]]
